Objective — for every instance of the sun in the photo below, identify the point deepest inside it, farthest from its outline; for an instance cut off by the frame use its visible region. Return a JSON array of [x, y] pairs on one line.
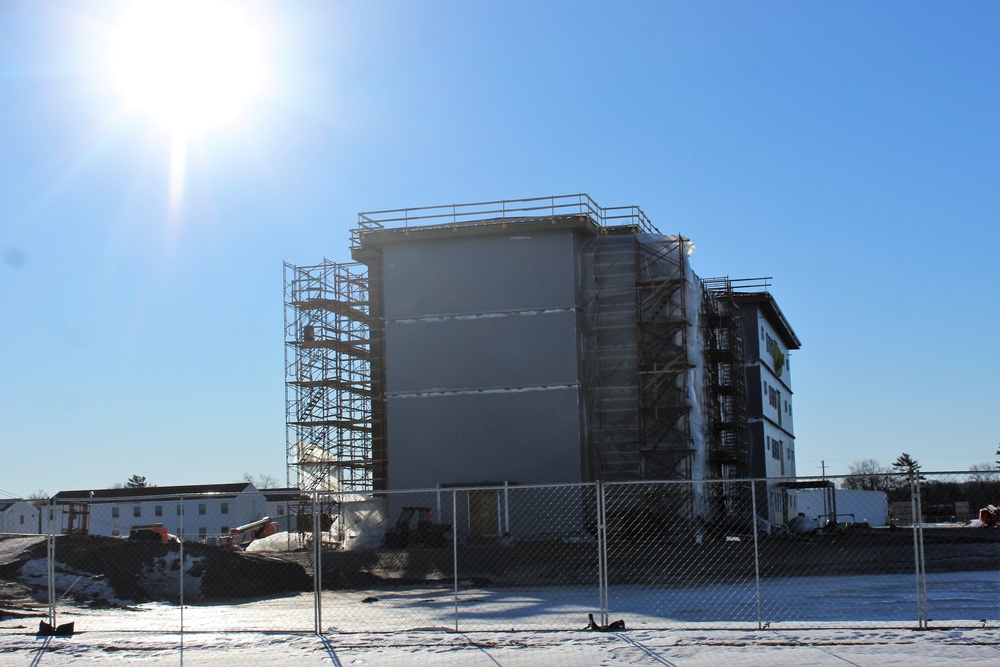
[[189, 64]]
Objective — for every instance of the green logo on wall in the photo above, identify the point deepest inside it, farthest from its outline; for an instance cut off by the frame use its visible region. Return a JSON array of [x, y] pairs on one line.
[[779, 358]]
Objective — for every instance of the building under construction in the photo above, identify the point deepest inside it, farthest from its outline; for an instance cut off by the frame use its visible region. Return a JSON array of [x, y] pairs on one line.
[[534, 341]]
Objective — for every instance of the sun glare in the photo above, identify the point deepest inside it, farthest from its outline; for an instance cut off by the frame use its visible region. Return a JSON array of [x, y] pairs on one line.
[[189, 64]]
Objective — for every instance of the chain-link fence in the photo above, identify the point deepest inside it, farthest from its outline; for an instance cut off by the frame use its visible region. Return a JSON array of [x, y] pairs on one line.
[[869, 551]]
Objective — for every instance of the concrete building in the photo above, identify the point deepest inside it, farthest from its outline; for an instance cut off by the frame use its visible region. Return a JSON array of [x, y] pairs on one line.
[[768, 341], [525, 342]]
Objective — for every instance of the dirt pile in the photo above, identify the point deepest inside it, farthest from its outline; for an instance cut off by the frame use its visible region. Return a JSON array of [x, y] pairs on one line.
[[110, 571]]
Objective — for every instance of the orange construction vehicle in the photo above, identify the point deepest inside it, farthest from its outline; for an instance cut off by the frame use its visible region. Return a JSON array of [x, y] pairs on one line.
[[238, 538]]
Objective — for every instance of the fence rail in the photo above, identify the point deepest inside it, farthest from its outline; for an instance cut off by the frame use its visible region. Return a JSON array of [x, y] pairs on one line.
[[739, 554]]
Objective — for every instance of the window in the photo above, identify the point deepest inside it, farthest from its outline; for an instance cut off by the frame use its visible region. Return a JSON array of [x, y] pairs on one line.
[[137, 510], [158, 510], [281, 510], [201, 508], [116, 533], [762, 333], [52, 515], [768, 443], [114, 513], [224, 530], [179, 512], [22, 519], [225, 508], [203, 532], [765, 388]]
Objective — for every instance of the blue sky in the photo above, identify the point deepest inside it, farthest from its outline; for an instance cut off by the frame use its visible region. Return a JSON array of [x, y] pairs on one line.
[[849, 150]]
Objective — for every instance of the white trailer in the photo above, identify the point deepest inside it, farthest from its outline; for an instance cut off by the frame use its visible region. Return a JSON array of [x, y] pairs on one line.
[[851, 506]]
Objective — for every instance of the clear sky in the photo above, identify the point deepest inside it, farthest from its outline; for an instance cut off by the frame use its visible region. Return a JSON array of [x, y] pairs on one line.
[[849, 150]]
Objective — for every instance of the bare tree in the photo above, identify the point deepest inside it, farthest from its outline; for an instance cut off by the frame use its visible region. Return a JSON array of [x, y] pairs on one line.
[[261, 481], [869, 475], [39, 498], [983, 472]]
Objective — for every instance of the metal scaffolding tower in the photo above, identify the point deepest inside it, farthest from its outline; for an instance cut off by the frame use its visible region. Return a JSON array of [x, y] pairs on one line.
[[729, 437], [663, 361], [328, 379]]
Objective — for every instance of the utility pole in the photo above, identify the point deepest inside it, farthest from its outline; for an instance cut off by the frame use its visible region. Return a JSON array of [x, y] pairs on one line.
[[822, 465]]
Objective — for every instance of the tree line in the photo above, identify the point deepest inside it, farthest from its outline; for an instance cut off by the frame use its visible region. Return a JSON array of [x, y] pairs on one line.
[[979, 487]]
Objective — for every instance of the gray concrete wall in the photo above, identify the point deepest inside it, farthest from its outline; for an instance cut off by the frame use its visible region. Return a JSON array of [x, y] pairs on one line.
[[511, 351], [480, 274], [482, 360], [526, 437]]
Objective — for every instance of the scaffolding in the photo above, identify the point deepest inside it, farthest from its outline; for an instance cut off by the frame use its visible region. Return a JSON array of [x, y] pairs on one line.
[[655, 334], [661, 292], [729, 444], [329, 379], [609, 362]]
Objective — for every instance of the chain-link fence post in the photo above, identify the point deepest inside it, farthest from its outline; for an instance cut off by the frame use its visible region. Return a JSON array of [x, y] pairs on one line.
[[756, 549], [180, 573], [317, 544], [918, 549], [454, 550], [50, 557], [602, 552]]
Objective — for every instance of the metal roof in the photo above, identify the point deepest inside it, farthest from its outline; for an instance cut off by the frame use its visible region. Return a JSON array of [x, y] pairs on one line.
[[152, 491]]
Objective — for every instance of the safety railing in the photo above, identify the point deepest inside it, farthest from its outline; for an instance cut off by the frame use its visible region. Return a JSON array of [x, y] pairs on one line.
[[492, 211]]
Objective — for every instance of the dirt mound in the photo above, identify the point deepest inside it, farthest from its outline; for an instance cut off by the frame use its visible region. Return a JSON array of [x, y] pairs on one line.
[[105, 570]]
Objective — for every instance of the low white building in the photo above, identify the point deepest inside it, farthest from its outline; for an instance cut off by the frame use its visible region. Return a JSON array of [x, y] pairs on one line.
[[18, 516], [193, 512], [844, 505]]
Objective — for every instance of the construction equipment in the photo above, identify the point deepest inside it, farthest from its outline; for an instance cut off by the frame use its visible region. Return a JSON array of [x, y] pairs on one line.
[[153, 532], [988, 516], [238, 538], [426, 533]]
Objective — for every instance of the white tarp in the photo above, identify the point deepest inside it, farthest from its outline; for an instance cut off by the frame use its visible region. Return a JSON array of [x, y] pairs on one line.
[[361, 524]]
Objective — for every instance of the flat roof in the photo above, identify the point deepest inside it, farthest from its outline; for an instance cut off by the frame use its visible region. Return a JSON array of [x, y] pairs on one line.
[[373, 238], [767, 304], [150, 491]]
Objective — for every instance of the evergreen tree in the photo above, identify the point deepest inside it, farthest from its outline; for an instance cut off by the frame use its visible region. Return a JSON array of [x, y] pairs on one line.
[[136, 482], [906, 463]]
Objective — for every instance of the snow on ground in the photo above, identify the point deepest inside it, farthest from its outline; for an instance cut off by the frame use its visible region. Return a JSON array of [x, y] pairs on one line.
[[685, 648], [814, 621]]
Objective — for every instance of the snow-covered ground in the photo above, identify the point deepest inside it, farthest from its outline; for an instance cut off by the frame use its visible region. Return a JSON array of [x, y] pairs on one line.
[[867, 620], [686, 648]]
